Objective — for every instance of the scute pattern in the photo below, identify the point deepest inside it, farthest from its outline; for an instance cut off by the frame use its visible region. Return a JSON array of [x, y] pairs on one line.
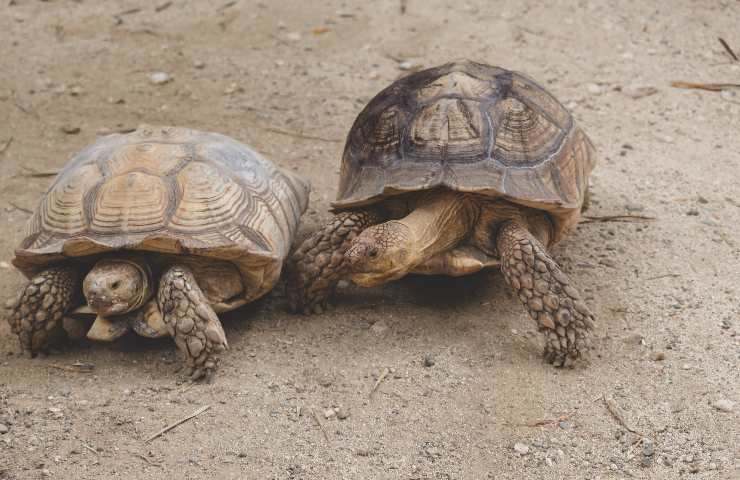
[[170, 190], [131, 203], [469, 127], [523, 136]]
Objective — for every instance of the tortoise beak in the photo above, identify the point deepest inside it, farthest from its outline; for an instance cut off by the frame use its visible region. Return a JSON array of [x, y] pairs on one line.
[[106, 330]]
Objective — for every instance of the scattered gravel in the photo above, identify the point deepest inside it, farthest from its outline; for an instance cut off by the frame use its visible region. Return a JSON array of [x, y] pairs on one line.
[[724, 405], [521, 448]]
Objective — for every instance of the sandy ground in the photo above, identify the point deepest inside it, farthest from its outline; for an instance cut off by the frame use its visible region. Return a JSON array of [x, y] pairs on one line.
[[275, 74]]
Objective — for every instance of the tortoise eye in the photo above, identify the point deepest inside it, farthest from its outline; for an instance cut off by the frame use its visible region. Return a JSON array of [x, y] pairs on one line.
[[115, 285], [372, 253]]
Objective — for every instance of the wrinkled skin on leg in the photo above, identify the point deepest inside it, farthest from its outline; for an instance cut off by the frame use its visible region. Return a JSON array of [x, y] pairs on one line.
[[547, 293], [318, 263], [41, 305], [191, 321]]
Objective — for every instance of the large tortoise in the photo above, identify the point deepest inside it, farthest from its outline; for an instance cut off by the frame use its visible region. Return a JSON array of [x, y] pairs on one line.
[[160, 229], [451, 170]]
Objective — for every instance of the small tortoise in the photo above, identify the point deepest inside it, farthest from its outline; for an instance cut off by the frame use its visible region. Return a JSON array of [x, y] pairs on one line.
[[451, 170], [161, 229]]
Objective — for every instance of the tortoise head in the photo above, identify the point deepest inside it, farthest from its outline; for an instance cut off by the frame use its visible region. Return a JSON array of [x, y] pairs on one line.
[[117, 285], [381, 253]]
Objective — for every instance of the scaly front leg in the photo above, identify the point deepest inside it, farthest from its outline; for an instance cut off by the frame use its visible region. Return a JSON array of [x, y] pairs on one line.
[[317, 265], [547, 293], [41, 304], [191, 321]]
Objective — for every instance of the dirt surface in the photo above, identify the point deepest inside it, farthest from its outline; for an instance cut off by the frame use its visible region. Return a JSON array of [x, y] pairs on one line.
[[288, 78]]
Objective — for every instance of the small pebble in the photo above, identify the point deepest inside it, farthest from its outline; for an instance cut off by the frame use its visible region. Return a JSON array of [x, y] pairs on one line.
[[648, 447], [521, 448], [4, 265], [199, 64], [70, 129], [3, 428], [565, 425], [693, 212], [658, 356], [342, 413], [406, 65], [329, 413], [429, 360], [594, 89], [160, 78], [293, 36], [433, 452], [724, 405]]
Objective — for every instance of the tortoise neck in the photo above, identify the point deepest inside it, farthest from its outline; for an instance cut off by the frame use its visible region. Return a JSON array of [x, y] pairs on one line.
[[440, 220]]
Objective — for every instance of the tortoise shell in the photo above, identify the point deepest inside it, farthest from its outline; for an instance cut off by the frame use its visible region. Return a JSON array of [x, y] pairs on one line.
[[468, 127], [169, 190]]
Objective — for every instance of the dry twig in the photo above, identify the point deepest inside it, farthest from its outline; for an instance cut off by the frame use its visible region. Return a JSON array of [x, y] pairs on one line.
[[382, 376], [617, 218], [163, 6], [613, 408], [181, 421], [712, 87], [672, 275], [76, 368], [6, 145], [30, 172], [728, 49], [89, 447], [298, 135], [321, 425], [22, 209]]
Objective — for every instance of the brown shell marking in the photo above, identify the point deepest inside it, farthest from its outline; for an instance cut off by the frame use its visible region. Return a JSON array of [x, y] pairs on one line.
[[469, 127]]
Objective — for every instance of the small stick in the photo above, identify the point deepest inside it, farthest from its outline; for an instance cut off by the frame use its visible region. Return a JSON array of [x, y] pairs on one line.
[[26, 110], [22, 209], [227, 5], [128, 12], [728, 49], [299, 135], [89, 447], [6, 145], [153, 464], [617, 218], [712, 87], [321, 425], [68, 368], [35, 173], [672, 275], [382, 376], [613, 408], [162, 7], [181, 421]]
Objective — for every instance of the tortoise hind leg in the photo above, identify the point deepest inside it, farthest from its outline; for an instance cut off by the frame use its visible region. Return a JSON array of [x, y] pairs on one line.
[[191, 321], [547, 293], [40, 306], [317, 265]]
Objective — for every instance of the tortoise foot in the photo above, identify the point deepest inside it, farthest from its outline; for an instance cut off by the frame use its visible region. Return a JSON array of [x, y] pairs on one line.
[[40, 306], [191, 322], [318, 263], [547, 293]]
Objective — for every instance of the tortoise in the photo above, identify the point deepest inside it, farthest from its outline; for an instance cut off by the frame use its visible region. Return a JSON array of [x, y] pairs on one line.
[[448, 171], [160, 230]]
